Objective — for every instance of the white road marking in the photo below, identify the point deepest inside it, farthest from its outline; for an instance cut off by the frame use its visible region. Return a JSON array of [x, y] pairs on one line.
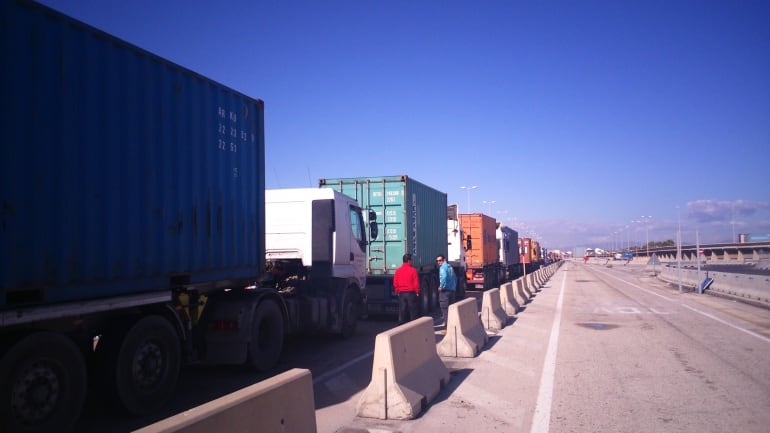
[[344, 366], [753, 334], [542, 418], [710, 316]]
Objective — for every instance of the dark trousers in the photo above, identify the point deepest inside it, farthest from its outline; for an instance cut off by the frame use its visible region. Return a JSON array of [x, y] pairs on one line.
[[445, 298], [407, 307]]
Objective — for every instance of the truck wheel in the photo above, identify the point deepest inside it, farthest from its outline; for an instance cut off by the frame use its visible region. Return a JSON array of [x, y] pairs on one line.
[[434, 301], [266, 336], [148, 364], [42, 384], [350, 314], [460, 294], [426, 296]]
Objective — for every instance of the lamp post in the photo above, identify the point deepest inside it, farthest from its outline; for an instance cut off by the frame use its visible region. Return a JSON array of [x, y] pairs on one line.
[[468, 190], [646, 220], [489, 203], [679, 248]]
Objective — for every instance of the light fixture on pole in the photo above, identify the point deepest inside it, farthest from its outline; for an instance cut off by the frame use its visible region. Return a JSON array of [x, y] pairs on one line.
[[468, 190], [489, 203], [646, 220], [679, 248]]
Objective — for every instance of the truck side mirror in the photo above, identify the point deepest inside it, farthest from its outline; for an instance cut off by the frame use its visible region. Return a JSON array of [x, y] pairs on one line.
[[468, 244], [374, 230]]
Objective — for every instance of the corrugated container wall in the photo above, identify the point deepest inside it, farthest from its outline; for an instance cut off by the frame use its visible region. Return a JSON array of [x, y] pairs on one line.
[[509, 246], [411, 218], [525, 245], [120, 170], [483, 232]]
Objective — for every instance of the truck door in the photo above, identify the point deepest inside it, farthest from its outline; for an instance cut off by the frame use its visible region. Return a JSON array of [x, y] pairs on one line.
[[357, 244]]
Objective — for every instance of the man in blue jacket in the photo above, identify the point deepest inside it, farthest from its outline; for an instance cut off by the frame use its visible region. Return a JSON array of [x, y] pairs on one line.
[[446, 287]]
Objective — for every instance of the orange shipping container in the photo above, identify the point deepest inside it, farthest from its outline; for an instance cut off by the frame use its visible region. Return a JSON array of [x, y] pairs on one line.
[[482, 231]]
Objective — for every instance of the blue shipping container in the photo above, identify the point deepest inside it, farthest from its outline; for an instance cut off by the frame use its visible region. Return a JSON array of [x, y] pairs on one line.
[[121, 171]]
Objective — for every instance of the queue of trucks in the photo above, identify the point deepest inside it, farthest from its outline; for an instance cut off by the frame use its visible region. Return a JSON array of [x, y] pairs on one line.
[[138, 235]]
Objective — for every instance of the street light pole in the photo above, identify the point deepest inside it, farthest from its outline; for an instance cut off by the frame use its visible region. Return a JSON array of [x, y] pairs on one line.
[[490, 203], [646, 220], [468, 190], [679, 248]]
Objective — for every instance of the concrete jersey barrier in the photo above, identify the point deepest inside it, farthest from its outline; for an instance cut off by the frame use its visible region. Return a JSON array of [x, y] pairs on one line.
[[465, 335], [407, 372], [521, 283], [532, 283], [508, 299], [528, 290], [492, 314], [281, 404]]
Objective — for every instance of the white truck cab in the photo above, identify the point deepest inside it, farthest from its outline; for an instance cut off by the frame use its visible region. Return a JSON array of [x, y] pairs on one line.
[[321, 229]]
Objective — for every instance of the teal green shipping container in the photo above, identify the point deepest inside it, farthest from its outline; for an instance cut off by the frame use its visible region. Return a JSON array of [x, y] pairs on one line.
[[412, 219]]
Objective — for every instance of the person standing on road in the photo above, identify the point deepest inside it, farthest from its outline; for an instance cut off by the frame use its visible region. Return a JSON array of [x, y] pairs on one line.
[[407, 285], [446, 286]]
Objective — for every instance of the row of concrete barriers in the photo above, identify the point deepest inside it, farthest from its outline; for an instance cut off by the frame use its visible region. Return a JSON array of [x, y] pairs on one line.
[[407, 371]]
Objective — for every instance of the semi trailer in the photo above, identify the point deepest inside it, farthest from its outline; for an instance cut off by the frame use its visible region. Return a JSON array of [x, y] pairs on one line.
[[133, 227], [483, 264], [412, 219]]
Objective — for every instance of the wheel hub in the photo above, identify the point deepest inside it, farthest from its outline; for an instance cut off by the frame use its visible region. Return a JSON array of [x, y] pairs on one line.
[[148, 365], [35, 393]]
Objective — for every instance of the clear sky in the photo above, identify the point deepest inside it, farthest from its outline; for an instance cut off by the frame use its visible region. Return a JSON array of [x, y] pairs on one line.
[[572, 118]]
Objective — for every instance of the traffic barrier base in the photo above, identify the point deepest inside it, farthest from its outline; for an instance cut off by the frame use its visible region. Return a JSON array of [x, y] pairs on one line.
[[465, 335], [492, 314], [407, 372]]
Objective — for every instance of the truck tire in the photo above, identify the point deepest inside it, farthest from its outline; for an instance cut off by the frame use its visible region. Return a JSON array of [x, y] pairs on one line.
[[266, 336], [42, 384], [433, 282], [460, 293], [147, 365], [426, 306], [350, 313]]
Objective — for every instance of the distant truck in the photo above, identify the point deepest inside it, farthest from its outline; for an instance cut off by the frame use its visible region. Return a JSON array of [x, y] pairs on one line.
[[744, 238], [412, 219], [133, 227], [508, 245], [456, 246], [626, 255], [529, 255], [484, 267]]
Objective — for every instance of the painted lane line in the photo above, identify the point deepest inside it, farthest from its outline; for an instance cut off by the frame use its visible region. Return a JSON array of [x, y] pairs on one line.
[[542, 418], [330, 373], [703, 313], [638, 287], [724, 322]]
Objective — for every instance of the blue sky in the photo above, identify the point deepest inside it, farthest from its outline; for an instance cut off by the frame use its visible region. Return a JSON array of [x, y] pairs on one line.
[[573, 119]]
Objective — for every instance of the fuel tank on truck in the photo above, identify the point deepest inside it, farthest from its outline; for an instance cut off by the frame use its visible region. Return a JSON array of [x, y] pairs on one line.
[[121, 172]]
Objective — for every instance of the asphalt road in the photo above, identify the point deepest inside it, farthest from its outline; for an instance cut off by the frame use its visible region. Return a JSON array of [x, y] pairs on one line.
[[597, 349], [635, 355]]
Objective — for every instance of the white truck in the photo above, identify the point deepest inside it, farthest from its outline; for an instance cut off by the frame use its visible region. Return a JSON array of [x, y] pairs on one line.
[[456, 249], [315, 251]]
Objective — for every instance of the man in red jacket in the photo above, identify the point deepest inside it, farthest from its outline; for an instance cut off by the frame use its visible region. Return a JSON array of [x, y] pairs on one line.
[[407, 285]]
